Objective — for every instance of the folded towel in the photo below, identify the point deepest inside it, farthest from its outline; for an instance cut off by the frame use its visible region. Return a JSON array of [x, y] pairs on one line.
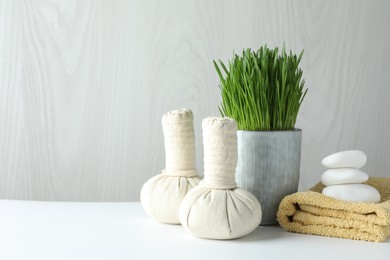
[[310, 212]]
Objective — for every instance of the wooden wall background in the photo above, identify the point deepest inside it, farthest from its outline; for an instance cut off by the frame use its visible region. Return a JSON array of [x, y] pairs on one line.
[[83, 85]]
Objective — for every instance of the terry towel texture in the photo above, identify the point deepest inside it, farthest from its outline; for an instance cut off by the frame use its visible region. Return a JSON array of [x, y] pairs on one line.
[[310, 212]]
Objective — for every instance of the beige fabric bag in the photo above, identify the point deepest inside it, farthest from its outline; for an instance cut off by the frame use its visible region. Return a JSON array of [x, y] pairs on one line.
[[217, 209], [162, 195]]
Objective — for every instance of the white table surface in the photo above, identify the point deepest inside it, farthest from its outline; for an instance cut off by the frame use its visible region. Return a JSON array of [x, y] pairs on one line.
[[72, 231]]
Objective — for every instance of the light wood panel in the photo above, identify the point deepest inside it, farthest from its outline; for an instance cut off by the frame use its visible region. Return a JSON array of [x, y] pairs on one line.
[[83, 85]]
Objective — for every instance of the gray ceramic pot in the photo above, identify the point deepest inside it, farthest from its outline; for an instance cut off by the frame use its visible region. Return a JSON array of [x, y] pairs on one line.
[[268, 166]]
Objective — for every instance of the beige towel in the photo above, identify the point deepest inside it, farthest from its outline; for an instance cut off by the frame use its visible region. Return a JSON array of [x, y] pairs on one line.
[[310, 212]]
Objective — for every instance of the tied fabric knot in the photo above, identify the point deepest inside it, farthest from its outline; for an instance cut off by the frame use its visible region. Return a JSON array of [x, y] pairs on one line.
[[181, 173], [179, 143], [220, 153]]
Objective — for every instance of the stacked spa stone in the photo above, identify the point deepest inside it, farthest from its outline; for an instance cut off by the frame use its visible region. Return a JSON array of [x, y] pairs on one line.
[[344, 179]]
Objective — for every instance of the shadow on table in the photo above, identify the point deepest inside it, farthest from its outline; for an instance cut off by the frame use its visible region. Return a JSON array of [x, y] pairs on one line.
[[264, 233]]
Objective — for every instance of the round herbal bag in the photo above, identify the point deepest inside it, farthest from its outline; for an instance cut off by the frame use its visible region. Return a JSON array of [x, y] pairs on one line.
[[217, 208], [162, 195]]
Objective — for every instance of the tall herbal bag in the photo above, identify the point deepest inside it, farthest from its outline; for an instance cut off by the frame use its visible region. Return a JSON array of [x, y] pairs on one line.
[[162, 195], [217, 208]]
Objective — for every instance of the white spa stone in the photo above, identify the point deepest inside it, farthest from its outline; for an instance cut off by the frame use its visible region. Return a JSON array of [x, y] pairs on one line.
[[352, 192], [346, 159], [343, 176]]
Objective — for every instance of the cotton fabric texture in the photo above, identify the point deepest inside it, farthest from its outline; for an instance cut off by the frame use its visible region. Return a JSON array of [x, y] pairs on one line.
[[162, 195], [310, 212], [217, 208]]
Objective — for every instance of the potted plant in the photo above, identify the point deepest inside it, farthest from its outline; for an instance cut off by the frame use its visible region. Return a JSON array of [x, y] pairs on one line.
[[263, 90]]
